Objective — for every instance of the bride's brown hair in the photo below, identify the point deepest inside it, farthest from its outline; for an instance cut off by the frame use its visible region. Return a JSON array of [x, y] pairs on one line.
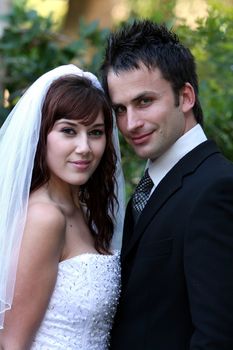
[[75, 97]]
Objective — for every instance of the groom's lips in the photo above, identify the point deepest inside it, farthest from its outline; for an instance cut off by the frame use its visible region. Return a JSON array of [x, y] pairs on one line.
[[140, 139]]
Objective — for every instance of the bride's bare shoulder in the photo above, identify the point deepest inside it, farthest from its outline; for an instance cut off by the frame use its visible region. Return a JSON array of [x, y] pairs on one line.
[[45, 214], [44, 232]]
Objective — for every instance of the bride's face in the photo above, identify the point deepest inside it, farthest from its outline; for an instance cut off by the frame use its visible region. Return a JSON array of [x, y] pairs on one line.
[[74, 150]]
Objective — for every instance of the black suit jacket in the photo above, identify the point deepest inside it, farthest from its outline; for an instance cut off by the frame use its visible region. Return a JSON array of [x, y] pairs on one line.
[[177, 262]]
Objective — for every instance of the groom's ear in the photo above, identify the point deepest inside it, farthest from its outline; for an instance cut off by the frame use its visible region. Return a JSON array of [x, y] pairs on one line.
[[187, 98]]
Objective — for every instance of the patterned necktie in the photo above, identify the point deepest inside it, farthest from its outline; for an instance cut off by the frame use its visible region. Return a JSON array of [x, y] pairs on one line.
[[141, 194]]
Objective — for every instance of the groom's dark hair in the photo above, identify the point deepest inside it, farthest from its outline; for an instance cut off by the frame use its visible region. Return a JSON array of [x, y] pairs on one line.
[[155, 46]]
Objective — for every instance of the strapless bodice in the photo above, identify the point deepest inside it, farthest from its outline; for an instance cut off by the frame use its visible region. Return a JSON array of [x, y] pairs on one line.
[[83, 304]]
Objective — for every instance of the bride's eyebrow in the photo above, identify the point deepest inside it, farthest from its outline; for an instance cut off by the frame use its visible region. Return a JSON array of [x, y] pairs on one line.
[[67, 122]]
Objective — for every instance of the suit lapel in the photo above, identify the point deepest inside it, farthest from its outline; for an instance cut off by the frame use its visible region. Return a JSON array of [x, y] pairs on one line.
[[171, 183]]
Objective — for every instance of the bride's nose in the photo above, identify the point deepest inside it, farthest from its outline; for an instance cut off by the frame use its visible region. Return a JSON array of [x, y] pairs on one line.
[[82, 145]]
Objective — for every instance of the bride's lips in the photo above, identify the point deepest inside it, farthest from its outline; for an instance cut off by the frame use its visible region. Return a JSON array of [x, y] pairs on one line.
[[139, 139], [81, 164]]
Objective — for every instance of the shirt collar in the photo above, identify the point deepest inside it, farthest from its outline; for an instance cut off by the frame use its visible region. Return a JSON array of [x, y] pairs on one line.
[[161, 166]]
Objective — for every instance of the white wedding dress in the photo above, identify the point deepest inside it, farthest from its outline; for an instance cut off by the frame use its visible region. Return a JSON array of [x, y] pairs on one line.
[[83, 304]]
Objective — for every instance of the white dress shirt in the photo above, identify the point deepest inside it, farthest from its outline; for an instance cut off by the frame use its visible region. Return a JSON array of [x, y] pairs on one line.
[[161, 166]]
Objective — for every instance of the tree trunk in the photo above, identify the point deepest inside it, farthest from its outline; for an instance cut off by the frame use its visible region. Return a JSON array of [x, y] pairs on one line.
[[5, 7], [90, 10]]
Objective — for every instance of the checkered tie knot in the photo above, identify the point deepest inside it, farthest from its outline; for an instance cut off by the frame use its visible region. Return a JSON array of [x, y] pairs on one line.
[[142, 193]]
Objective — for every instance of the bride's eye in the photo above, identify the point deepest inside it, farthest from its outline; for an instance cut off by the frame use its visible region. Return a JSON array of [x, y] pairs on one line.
[[68, 131], [96, 132]]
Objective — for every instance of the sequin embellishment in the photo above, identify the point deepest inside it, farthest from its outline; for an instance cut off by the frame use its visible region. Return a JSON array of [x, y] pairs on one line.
[[83, 304]]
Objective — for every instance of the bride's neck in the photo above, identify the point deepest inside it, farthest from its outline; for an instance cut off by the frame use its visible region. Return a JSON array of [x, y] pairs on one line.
[[64, 195]]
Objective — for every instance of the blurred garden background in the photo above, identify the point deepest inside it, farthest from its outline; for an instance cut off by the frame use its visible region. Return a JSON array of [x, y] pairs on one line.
[[38, 35]]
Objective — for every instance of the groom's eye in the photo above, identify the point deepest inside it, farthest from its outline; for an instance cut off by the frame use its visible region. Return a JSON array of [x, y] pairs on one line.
[[119, 110], [145, 101]]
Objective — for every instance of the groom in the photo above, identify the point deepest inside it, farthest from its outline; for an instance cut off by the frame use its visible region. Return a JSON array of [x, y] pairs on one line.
[[177, 253]]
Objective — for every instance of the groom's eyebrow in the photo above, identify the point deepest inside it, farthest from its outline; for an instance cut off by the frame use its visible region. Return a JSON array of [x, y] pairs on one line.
[[115, 105], [143, 95], [137, 98]]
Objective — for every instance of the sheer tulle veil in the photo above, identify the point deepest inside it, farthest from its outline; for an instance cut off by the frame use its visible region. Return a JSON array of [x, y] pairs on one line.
[[18, 143]]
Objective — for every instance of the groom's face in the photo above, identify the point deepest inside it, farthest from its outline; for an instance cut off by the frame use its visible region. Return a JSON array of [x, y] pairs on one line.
[[146, 112]]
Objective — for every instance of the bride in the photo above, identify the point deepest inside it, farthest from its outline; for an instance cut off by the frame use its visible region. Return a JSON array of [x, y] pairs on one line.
[[59, 271]]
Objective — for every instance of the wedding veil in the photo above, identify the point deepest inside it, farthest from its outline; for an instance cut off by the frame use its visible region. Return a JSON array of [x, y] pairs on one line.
[[18, 143]]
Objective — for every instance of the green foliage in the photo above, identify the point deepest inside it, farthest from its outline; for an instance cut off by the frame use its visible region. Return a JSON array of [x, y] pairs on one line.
[[212, 45], [132, 166], [29, 47], [159, 11], [95, 38]]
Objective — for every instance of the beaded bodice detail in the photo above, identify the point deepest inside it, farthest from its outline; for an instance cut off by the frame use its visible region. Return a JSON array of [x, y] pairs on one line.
[[83, 304]]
